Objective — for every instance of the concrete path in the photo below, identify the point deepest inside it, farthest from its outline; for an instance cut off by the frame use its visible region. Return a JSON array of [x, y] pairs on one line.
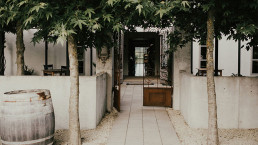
[[140, 125]]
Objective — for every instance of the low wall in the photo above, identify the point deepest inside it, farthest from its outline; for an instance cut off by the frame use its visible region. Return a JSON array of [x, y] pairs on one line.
[[101, 96], [92, 96], [237, 101]]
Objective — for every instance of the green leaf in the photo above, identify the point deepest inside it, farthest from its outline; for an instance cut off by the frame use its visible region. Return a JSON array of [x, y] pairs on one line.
[[110, 2], [8, 20], [89, 12], [11, 18], [48, 14], [61, 40], [2, 9], [96, 27], [162, 2], [133, 1], [161, 12], [184, 3], [107, 17], [127, 6], [42, 4], [139, 8], [78, 23], [28, 20], [37, 7], [117, 27], [69, 32], [22, 3], [206, 7]]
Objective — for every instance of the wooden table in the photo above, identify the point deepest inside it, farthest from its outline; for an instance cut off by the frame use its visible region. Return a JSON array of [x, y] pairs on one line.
[[202, 71], [52, 72]]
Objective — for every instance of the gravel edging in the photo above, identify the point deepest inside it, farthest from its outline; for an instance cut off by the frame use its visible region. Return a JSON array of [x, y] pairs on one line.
[[97, 136], [194, 136]]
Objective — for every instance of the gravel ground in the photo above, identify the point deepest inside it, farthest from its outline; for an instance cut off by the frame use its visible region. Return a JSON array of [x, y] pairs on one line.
[[96, 136], [192, 136]]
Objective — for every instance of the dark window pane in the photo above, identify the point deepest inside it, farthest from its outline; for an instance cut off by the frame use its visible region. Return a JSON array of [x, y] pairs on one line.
[[203, 64], [80, 52], [255, 53], [203, 52], [80, 66], [255, 67]]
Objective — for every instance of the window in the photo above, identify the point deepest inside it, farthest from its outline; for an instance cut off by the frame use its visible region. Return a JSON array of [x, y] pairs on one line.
[[255, 60], [80, 51], [139, 60], [203, 59]]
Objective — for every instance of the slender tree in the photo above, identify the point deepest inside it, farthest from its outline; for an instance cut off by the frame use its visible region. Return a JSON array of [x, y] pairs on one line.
[[76, 21], [14, 14], [74, 123], [213, 138], [4, 27], [235, 19], [20, 49]]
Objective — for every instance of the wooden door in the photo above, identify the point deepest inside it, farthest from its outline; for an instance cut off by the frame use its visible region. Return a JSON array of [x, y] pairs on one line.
[[157, 96]]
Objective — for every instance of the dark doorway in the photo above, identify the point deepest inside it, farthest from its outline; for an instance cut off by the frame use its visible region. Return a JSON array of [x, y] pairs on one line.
[[142, 58], [136, 45]]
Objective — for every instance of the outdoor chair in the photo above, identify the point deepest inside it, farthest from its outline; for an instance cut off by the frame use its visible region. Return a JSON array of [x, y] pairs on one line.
[[48, 67], [65, 70]]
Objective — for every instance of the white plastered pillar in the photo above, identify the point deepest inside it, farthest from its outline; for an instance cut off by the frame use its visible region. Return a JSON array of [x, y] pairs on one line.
[[107, 66], [182, 63]]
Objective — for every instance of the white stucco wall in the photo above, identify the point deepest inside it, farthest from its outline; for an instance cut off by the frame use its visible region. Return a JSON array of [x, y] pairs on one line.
[[101, 93], [237, 101], [87, 61], [92, 104], [182, 61], [35, 55], [227, 58]]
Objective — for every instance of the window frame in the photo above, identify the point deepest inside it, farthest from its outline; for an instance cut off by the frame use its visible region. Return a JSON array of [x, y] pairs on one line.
[[200, 54], [81, 60], [252, 60]]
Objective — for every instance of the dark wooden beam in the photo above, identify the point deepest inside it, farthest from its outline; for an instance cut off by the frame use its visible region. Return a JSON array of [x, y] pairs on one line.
[[67, 55], [191, 57], [2, 57], [91, 61], [216, 56], [46, 52], [239, 58]]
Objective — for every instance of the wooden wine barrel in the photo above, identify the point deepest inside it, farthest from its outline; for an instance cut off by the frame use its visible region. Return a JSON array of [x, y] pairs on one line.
[[27, 117]]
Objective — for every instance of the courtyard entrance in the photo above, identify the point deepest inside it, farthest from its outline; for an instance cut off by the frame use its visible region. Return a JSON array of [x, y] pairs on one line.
[[140, 125], [145, 56]]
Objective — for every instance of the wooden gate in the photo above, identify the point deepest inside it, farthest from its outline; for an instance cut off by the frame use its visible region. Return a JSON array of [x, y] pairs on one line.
[[157, 89]]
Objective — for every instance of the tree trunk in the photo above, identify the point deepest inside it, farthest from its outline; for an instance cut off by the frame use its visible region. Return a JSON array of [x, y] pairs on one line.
[[212, 105], [2, 58], [74, 123], [20, 49]]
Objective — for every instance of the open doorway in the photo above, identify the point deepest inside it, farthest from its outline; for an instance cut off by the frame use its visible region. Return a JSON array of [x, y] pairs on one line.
[[136, 44], [145, 62], [139, 60]]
